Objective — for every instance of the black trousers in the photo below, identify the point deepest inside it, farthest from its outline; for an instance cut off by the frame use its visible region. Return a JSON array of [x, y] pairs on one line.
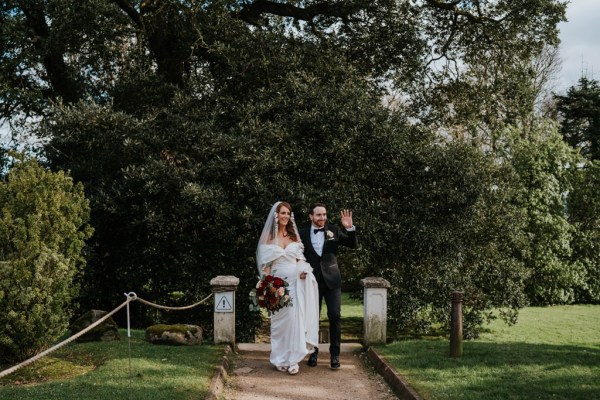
[[333, 300]]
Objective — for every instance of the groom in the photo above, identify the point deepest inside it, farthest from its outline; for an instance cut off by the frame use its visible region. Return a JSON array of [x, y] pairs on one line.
[[321, 241]]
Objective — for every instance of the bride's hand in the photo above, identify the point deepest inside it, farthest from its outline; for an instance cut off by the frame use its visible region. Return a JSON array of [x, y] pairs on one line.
[[303, 275]]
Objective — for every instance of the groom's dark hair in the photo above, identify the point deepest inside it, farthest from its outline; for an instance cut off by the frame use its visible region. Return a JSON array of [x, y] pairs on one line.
[[315, 205]]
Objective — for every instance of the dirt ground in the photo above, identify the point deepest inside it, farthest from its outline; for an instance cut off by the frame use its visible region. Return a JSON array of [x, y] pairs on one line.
[[253, 377]]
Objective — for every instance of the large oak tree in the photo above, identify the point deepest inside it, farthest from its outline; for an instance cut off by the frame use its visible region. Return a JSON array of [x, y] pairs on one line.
[[73, 50], [185, 120]]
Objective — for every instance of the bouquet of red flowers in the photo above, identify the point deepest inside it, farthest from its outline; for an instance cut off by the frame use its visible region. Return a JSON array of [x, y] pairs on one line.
[[273, 293]]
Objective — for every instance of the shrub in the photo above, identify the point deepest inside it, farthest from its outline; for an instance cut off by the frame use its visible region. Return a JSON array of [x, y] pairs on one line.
[[545, 165], [584, 214], [445, 221], [43, 228]]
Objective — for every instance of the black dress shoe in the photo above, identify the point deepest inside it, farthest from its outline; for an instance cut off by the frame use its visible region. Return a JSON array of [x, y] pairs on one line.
[[335, 362], [312, 360]]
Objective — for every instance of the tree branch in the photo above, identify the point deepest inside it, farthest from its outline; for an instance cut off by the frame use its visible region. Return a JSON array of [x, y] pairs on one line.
[[51, 54], [453, 6], [253, 12], [129, 10]]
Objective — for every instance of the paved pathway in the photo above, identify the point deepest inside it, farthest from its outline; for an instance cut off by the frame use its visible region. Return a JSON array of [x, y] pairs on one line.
[[254, 378]]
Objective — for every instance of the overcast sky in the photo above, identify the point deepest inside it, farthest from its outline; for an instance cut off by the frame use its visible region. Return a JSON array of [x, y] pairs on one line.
[[580, 43]]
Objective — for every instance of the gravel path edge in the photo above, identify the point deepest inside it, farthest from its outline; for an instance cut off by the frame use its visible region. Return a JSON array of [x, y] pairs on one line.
[[217, 382], [396, 381]]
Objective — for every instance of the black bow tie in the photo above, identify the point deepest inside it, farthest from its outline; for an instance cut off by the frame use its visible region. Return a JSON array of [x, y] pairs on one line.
[[319, 230]]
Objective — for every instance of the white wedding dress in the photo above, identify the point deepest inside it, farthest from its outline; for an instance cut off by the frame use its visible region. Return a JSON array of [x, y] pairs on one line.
[[294, 329]]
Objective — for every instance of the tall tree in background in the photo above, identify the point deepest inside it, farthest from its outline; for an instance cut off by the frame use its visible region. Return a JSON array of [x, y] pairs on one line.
[[579, 110], [579, 113], [184, 118], [545, 166], [493, 91], [584, 214], [73, 50]]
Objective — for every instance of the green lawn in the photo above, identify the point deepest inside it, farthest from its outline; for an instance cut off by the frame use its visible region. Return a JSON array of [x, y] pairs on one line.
[[352, 318], [100, 371], [552, 353]]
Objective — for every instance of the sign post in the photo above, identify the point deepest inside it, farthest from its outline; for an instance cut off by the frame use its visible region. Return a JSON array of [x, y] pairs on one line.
[[224, 302], [224, 288]]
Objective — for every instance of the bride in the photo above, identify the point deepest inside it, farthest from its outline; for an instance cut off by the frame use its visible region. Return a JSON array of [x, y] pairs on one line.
[[294, 329]]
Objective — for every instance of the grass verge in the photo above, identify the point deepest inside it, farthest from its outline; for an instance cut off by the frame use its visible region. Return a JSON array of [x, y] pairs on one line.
[[552, 353], [100, 371], [352, 318]]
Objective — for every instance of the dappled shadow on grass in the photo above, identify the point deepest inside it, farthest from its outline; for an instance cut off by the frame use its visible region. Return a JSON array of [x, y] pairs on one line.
[[498, 370], [508, 354], [157, 372]]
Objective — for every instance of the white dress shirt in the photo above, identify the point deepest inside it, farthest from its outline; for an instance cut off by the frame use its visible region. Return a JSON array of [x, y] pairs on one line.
[[318, 239]]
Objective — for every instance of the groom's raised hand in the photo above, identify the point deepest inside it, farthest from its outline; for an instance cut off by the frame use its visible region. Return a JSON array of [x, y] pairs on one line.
[[346, 218]]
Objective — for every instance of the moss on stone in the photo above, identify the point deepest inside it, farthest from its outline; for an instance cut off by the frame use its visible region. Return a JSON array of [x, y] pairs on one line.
[[179, 328]]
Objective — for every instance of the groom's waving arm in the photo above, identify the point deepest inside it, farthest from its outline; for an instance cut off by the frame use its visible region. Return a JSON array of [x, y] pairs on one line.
[[348, 235]]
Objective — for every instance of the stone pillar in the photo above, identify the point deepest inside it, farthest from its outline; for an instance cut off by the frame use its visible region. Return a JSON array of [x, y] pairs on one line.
[[375, 314], [223, 288], [456, 335]]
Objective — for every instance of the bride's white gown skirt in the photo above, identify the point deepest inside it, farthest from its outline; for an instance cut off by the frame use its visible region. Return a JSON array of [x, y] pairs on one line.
[[295, 329]]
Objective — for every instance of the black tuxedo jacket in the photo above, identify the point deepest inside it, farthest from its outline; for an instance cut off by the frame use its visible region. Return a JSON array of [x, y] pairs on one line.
[[325, 267]]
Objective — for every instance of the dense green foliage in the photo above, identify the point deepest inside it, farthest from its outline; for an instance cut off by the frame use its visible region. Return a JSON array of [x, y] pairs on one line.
[[43, 228], [103, 370], [545, 165], [449, 222], [174, 194], [584, 215], [180, 198], [186, 121], [579, 110], [79, 49], [579, 117]]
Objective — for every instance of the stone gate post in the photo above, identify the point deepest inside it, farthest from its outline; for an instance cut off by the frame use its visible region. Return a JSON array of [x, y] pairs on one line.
[[375, 313], [224, 288]]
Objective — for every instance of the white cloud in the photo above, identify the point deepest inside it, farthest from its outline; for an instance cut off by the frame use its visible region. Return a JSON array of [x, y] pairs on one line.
[[580, 43]]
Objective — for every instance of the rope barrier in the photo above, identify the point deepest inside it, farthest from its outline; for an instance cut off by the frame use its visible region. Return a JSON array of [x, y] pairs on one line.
[[131, 296], [175, 308]]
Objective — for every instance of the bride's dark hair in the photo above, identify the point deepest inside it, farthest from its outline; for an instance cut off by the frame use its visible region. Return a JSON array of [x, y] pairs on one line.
[[289, 228]]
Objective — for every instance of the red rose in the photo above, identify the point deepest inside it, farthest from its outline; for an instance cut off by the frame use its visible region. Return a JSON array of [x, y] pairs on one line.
[[272, 300], [269, 278], [261, 303], [278, 282]]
